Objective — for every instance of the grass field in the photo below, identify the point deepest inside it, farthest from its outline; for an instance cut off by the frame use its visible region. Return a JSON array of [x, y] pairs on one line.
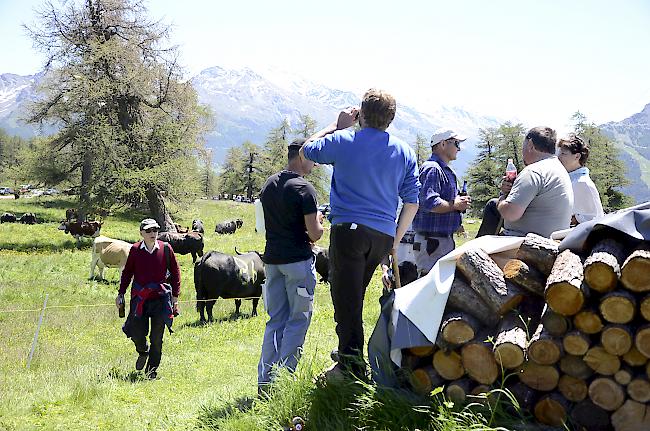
[[81, 375]]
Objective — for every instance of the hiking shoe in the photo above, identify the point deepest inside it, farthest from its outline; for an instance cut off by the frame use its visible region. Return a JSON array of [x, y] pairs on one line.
[[141, 361], [335, 374]]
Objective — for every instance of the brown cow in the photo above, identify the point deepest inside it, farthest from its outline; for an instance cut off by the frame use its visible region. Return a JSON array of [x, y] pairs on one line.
[[108, 252], [80, 229]]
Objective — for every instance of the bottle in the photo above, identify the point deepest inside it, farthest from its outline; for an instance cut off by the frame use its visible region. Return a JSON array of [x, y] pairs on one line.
[[511, 171], [121, 307], [463, 192]]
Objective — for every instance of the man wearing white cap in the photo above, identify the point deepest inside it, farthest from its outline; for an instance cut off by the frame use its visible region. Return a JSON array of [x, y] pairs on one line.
[[438, 216]]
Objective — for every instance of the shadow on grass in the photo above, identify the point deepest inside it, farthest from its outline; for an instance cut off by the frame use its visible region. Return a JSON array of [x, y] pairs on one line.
[[232, 317], [210, 416], [127, 376], [42, 246]]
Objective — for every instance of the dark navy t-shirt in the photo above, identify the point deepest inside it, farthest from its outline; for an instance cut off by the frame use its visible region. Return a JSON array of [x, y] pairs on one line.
[[286, 199]]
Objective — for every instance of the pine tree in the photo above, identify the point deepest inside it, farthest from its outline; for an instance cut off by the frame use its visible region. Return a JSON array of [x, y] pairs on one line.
[[422, 149]]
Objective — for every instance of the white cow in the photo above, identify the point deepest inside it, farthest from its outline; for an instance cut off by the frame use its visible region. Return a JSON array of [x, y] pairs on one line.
[[108, 252]]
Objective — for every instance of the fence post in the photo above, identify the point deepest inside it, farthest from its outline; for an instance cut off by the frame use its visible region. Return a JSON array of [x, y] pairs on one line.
[[38, 328]]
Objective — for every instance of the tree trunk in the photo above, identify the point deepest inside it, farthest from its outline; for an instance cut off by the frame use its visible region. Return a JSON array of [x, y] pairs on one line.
[[486, 278], [565, 292], [576, 367], [539, 377], [463, 297], [589, 417], [85, 203], [618, 306], [606, 393], [576, 343], [603, 266], [458, 327], [528, 277], [159, 210], [602, 362], [635, 274], [572, 388], [588, 321], [617, 339], [632, 416], [510, 343], [544, 349], [538, 251], [448, 364], [552, 409]]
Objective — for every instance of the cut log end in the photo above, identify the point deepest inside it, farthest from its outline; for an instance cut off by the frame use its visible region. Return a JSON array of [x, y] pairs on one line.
[[552, 409], [632, 416], [588, 321], [564, 298], [602, 362], [448, 364], [479, 363], [618, 307], [616, 339], [606, 393], [639, 389], [576, 343], [600, 277], [635, 274], [539, 377], [572, 388], [642, 340]]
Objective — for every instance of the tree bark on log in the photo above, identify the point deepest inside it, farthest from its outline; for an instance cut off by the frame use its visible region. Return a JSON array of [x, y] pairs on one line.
[[544, 349], [632, 416], [603, 266], [539, 377], [588, 416], [635, 274], [576, 367], [510, 344], [448, 365], [617, 339], [618, 306], [552, 409], [528, 277], [588, 321], [565, 290], [634, 358], [644, 308], [539, 251], [478, 360], [606, 393], [486, 278], [458, 327], [572, 388], [458, 390], [639, 389], [555, 323], [642, 340], [576, 343], [463, 297], [602, 362], [424, 380]]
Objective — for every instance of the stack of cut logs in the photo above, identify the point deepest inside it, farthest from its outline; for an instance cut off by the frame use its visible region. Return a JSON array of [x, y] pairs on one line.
[[572, 332]]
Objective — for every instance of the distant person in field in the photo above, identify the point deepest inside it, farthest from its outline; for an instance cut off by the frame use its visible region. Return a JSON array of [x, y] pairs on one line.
[[540, 200], [573, 152], [293, 223], [372, 169], [154, 295]]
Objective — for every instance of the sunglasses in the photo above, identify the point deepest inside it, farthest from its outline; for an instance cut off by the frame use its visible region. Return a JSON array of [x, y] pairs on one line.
[[153, 229], [456, 142]]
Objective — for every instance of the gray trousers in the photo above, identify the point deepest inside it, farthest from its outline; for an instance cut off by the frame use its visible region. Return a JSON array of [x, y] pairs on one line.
[[429, 250], [288, 294]]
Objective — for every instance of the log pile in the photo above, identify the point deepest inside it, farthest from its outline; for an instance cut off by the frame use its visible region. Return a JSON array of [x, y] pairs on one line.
[[572, 331]]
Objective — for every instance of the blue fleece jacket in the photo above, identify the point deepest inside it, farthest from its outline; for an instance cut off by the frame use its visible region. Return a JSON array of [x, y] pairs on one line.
[[371, 169]]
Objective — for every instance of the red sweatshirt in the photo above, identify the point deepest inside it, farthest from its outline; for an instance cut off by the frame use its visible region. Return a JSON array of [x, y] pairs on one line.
[[146, 268]]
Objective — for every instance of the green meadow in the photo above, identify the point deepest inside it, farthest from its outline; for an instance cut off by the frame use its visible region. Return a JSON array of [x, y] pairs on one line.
[[82, 374]]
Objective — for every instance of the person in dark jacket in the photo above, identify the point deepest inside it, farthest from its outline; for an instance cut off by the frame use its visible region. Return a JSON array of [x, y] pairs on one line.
[[154, 300]]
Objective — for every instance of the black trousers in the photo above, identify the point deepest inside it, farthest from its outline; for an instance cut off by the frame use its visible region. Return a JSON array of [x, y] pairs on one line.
[[354, 256], [491, 219], [140, 330]]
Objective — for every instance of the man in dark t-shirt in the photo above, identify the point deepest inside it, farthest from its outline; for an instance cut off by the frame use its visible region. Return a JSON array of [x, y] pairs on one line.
[[292, 223]]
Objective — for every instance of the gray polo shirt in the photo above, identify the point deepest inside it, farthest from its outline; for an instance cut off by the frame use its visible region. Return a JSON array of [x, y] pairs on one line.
[[544, 189]]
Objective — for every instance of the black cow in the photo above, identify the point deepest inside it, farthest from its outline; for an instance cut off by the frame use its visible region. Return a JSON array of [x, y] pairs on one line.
[[226, 227], [197, 226], [219, 275], [322, 262], [28, 218], [181, 229], [7, 218], [184, 243]]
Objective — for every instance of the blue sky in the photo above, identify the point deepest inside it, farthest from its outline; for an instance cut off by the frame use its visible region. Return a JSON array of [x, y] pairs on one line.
[[534, 61]]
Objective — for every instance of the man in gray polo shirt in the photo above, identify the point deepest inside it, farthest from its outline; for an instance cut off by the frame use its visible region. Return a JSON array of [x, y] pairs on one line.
[[540, 200]]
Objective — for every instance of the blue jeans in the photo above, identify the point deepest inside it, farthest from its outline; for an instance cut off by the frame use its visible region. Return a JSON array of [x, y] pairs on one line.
[[288, 295]]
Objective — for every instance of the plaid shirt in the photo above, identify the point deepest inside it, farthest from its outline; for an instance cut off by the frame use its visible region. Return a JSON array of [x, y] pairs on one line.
[[438, 184]]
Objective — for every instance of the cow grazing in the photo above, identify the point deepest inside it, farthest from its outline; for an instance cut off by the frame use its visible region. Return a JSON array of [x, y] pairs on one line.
[[28, 218], [184, 243], [219, 275], [197, 226], [181, 229], [226, 227], [322, 262], [7, 218], [108, 252], [80, 229]]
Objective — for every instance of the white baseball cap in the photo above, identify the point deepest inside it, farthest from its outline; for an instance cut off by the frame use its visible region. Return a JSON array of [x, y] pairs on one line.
[[444, 134]]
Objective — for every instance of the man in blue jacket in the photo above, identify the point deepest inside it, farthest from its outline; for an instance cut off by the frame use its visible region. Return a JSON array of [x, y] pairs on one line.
[[372, 170]]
